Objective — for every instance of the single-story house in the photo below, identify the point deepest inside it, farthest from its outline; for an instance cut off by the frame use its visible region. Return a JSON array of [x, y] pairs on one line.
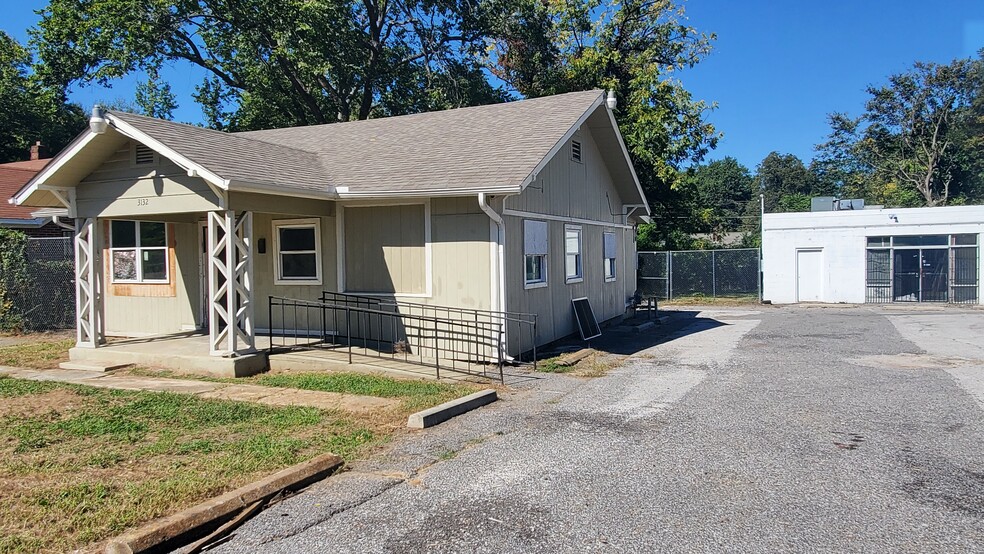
[[13, 177], [874, 255], [514, 207]]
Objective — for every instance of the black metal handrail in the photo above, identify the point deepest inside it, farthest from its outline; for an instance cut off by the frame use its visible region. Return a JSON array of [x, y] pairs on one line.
[[524, 323], [443, 343]]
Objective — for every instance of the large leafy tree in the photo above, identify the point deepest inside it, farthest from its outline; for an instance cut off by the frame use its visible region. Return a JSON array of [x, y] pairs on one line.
[[635, 48], [279, 62], [29, 111], [786, 183], [919, 141], [723, 190]]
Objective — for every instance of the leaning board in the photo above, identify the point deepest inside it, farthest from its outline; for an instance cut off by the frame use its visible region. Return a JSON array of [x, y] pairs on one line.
[[586, 321]]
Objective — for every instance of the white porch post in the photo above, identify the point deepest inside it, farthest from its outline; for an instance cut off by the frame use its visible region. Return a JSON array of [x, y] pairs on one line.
[[88, 289], [230, 283]]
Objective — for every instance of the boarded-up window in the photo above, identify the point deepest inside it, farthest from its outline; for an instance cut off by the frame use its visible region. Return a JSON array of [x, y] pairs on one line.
[[385, 249], [536, 245], [610, 252]]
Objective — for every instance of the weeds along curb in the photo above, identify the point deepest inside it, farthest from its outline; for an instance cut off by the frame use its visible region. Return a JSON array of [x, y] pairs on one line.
[[172, 531], [443, 412]]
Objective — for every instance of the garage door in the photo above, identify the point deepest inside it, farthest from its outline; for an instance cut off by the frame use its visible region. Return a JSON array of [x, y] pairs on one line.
[[809, 275]]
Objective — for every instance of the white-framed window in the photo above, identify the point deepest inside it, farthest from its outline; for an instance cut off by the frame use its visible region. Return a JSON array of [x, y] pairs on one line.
[[610, 252], [138, 251], [536, 246], [297, 251], [573, 266]]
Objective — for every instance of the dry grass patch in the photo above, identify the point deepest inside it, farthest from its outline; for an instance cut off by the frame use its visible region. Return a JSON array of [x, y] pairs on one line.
[[712, 301], [80, 464], [597, 364], [40, 354]]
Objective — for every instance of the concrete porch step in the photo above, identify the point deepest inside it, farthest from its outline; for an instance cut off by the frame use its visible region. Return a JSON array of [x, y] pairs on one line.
[[93, 366]]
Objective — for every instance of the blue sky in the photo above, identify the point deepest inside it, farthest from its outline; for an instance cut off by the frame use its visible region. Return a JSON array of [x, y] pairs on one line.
[[778, 68]]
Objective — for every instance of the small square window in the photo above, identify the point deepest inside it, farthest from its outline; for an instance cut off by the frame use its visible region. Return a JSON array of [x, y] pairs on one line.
[[298, 249], [536, 271]]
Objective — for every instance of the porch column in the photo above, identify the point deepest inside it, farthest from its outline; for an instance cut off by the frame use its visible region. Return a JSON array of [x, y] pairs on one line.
[[230, 283], [90, 331]]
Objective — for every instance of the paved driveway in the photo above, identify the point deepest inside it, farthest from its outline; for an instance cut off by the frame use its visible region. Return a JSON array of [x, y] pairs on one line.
[[806, 429]]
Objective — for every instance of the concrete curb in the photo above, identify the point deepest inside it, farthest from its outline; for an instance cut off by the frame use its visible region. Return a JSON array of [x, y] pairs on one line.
[[443, 412], [160, 532]]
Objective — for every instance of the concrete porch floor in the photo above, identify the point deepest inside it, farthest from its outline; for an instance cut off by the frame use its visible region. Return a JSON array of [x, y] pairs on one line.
[[188, 352]]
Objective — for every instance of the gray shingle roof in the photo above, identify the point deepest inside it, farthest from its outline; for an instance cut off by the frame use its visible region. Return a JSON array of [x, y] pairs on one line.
[[237, 157], [466, 149]]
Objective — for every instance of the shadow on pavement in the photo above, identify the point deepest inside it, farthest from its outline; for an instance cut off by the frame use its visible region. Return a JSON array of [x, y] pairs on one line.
[[626, 339]]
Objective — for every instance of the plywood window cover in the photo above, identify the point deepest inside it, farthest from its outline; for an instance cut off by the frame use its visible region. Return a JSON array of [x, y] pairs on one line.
[[297, 224], [610, 251], [166, 288]]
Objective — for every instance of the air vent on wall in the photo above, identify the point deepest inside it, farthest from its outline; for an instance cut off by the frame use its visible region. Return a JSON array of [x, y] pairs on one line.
[[575, 151], [144, 155]]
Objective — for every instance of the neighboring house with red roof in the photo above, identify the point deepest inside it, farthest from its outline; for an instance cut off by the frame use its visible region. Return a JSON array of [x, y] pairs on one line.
[[15, 175]]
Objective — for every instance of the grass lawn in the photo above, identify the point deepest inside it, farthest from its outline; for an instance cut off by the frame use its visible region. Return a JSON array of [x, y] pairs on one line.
[[80, 464], [595, 365], [43, 353], [711, 301]]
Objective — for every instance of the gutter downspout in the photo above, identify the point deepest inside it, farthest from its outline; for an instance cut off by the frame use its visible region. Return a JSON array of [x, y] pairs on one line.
[[56, 219], [499, 279]]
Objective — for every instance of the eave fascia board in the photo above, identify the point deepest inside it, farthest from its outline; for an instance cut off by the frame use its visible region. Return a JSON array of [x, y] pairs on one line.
[[25, 223], [425, 193], [183, 162], [563, 140], [39, 181], [261, 188], [628, 160]]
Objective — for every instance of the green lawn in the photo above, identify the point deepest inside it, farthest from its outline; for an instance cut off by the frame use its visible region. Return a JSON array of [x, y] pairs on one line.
[[80, 464], [40, 354]]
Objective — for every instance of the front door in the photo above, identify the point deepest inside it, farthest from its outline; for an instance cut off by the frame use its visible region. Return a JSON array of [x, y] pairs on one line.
[[809, 275]]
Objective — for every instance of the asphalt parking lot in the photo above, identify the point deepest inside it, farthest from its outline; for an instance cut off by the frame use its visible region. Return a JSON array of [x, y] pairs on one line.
[[755, 430]]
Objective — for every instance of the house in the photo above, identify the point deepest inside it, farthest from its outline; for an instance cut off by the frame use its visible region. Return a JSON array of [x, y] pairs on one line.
[[874, 255], [515, 207], [13, 176]]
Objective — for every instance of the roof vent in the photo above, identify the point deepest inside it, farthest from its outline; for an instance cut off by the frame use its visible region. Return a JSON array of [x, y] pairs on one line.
[[576, 151], [143, 155]]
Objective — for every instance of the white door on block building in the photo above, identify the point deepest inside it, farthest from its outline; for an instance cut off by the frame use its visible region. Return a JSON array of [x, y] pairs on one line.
[[809, 275]]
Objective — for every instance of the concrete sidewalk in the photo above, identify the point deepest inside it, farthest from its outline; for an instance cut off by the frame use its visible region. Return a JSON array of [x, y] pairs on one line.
[[271, 396]]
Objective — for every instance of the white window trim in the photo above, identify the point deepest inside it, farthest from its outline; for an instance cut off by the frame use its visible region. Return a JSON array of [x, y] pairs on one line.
[[546, 275], [297, 223], [138, 249], [614, 276], [428, 254], [580, 254]]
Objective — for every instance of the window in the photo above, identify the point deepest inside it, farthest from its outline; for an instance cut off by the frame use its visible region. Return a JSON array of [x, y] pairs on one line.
[[535, 248], [576, 151], [298, 249], [138, 251], [572, 253], [609, 253]]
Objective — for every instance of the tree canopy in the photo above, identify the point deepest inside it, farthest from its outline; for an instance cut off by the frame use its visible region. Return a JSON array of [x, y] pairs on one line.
[[30, 111]]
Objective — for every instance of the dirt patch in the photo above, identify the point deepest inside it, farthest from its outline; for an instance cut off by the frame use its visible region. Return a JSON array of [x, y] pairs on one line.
[[35, 405], [912, 361]]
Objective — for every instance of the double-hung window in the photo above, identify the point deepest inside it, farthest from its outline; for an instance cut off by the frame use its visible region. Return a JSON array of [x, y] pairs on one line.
[[298, 251], [610, 250], [572, 254], [138, 251], [536, 245]]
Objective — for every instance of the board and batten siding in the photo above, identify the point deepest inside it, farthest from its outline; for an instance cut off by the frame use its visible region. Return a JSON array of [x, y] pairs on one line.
[[385, 249], [120, 189], [569, 193]]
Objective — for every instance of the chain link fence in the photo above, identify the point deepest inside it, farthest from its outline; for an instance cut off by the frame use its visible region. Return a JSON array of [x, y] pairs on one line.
[[711, 273], [48, 300]]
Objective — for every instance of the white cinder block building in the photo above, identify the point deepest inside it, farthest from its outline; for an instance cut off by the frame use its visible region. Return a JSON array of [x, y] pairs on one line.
[[874, 256]]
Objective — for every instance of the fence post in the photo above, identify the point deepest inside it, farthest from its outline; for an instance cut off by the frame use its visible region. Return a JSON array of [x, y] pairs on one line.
[[348, 330], [713, 276], [669, 275]]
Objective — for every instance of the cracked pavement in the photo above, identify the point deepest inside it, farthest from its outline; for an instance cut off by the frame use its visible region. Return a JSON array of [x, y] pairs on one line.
[[755, 430]]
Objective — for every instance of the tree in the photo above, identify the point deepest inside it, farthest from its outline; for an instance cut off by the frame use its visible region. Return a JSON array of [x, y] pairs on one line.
[[723, 189], [633, 48], [274, 63], [785, 182], [918, 142], [29, 111]]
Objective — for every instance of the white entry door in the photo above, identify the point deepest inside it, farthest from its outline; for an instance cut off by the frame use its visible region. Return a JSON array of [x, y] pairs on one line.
[[809, 275]]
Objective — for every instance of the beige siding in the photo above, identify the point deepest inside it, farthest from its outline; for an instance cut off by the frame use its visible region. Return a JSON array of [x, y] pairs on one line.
[[579, 194], [144, 315], [385, 249], [119, 189], [264, 267]]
